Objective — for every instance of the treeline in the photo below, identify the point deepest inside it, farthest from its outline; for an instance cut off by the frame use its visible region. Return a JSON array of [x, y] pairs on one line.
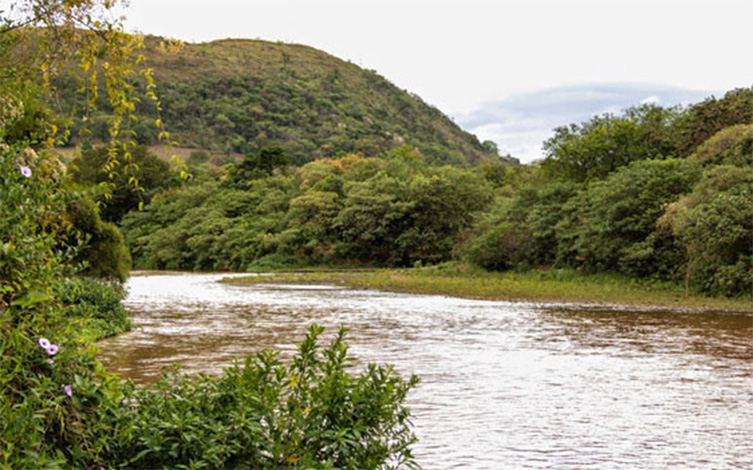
[[388, 212], [652, 193]]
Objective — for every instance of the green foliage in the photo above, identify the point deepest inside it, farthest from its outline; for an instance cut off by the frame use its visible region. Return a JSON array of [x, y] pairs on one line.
[[611, 225], [105, 254], [310, 414], [715, 222], [31, 208], [596, 148], [521, 232], [730, 146], [127, 190], [715, 225], [258, 165], [704, 119], [640, 212], [607, 225], [243, 95], [96, 304], [367, 210]]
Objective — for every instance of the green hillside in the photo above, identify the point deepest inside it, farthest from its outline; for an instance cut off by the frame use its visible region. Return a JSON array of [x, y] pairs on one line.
[[237, 96]]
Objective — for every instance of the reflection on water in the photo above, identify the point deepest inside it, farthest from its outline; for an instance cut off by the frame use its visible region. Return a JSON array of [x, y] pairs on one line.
[[504, 385]]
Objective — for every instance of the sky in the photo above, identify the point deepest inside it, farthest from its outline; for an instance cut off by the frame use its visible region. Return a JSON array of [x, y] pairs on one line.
[[476, 58]]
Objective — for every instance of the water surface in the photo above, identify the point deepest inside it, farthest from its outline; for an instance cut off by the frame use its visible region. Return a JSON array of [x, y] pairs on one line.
[[504, 385]]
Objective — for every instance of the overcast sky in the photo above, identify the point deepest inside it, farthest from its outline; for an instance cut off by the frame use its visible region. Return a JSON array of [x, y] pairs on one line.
[[466, 55]]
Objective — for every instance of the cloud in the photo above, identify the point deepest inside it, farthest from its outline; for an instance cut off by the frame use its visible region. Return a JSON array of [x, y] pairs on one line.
[[521, 123]]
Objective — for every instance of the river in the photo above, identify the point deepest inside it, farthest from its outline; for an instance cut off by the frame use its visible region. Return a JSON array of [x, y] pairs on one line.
[[504, 385]]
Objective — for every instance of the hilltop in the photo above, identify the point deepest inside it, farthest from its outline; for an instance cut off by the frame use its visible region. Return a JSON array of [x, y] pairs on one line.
[[237, 95]]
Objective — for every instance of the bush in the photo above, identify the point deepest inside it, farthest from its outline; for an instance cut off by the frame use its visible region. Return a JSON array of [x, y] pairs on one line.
[[611, 224], [714, 224], [60, 409], [96, 303], [105, 254], [310, 414]]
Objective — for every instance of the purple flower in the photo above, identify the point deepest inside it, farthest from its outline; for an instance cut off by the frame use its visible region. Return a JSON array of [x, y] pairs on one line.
[[52, 349], [50, 361], [45, 343], [68, 390], [25, 170]]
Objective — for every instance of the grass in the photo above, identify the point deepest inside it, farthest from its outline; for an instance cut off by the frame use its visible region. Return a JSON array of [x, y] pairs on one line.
[[550, 286]]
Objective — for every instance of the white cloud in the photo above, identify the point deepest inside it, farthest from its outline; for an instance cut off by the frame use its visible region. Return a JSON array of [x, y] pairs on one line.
[[457, 54], [520, 124]]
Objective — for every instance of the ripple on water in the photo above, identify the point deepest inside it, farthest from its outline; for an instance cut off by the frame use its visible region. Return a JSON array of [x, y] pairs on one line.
[[504, 385]]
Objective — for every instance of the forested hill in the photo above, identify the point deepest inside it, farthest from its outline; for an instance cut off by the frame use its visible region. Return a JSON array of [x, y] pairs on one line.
[[239, 95]]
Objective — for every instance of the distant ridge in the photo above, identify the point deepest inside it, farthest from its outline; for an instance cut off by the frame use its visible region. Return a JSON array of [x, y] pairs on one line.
[[238, 95]]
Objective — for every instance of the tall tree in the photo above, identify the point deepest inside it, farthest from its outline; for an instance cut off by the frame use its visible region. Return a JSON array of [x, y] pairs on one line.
[[594, 149]]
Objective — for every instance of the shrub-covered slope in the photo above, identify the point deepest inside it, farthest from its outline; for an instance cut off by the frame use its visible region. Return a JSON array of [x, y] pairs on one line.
[[241, 95]]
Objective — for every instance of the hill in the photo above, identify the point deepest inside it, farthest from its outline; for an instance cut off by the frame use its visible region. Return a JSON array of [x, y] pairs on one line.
[[237, 96]]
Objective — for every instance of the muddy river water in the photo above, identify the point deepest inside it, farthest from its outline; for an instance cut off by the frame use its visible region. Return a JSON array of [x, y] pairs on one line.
[[504, 385]]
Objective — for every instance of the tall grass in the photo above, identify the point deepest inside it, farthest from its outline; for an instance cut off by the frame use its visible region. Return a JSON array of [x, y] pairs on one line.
[[463, 280]]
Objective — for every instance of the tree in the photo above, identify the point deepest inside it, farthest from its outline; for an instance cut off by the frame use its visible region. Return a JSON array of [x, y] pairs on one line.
[[491, 147], [104, 255], [730, 146], [258, 165], [520, 231], [611, 224], [44, 40], [596, 148], [122, 196], [714, 223], [704, 119]]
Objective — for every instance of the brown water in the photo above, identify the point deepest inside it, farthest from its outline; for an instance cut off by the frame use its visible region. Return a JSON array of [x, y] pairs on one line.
[[504, 385]]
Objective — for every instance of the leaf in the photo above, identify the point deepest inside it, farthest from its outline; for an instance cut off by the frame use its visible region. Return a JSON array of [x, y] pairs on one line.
[[32, 298]]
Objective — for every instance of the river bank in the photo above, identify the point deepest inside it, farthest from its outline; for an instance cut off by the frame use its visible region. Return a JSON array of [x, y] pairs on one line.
[[550, 286], [503, 385]]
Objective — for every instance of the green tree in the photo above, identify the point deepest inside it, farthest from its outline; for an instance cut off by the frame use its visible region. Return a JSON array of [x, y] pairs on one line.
[[611, 224], [520, 231], [714, 223], [598, 147], [704, 119], [124, 192], [258, 165], [406, 214], [104, 255], [730, 146]]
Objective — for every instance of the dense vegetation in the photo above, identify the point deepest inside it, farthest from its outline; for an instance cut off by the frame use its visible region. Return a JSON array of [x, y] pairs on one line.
[[653, 193], [60, 409], [394, 211], [631, 194], [616, 194], [60, 271], [243, 95]]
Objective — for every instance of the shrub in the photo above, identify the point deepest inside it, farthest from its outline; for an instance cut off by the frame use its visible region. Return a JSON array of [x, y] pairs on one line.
[[611, 225], [714, 224], [310, 414], [96, 303], [60, 409]]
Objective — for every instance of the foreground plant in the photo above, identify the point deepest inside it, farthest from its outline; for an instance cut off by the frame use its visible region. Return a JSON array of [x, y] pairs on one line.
[[312, 413], [60, 409]]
